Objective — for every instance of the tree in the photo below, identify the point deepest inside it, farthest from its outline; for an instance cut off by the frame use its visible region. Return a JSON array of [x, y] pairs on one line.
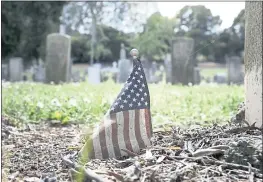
[[198, 23], [231, 40], [154, 41], [25, 26], [91, 16]]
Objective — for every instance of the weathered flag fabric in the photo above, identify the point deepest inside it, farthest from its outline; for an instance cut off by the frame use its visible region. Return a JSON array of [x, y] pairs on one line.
[[127, 124]]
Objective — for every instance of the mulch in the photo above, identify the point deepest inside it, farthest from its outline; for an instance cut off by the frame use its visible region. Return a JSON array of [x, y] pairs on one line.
[[47, 153]]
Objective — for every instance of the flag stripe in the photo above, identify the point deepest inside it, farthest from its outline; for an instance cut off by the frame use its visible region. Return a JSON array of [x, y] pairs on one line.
[[134, 143], [96, 143], [138, 130], [115, 141], [108, 134], [126, 131], [103, 145], [147, 123], [143, 128], [120, 127]]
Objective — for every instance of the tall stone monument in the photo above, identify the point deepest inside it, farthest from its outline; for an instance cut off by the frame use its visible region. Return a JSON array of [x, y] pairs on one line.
[[58, 58], [234, 70], [182, 60], [124, 66], [253, 62], [168, 68], [16, 69]]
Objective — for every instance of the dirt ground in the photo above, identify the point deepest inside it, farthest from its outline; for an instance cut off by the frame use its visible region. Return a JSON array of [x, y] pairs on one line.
[[218, 153]]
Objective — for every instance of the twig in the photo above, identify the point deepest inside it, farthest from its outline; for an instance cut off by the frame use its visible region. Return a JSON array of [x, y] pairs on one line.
[[206, 152], [130, 153]]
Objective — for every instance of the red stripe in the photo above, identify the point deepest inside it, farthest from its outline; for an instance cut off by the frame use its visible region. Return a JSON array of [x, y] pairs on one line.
[[115, 141], [102, 135], [148, 123], [137, 129], [126, 133]]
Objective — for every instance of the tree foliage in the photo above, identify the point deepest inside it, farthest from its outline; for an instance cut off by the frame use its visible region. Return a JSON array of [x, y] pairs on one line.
[[25, 26], [154, 41]]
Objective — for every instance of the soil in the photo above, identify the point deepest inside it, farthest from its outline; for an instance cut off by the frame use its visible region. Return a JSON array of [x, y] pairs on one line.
[[45, 152]]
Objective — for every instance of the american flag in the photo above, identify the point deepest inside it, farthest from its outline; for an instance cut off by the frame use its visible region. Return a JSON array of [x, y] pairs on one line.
[[127, 124]]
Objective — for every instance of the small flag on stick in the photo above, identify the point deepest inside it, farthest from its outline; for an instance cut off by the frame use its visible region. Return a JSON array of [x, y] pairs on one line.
[[127, 124]]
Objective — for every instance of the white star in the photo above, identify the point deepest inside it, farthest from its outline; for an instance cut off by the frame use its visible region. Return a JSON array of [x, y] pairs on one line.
[[141, 76], [145, 94], [135, 86], [112, 109], [125, 101], [146, 103], [139, 68], [134, 100], [142, 99], [132, 90], [129, 96], [133, 78], [140, 90], [138, 81], [136, 73], [137, 94], [121, 106], [130, 105], [116, 103], [143, 85], [139, 103]]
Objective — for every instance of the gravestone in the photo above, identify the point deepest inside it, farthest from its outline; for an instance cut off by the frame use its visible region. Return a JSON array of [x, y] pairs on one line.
[[16, 69], [182, 60], [39, 73], [234, 70], [153, 70], [4, 72], [197, 77], [75, 77], [168, 68], [124, 66], [253, 62], [58, 58], [220, 78], [94, 76], [146, 66]]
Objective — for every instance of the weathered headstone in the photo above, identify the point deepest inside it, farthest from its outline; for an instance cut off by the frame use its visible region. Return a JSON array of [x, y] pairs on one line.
[[182, 61], [4, 72], [253, 62], [234, 70], [94, 76], [16, 69], [168, 68], [76, 76], [124, 65], [197, 77], [220, 78], [39, 73], [146, 66], [58, 58]]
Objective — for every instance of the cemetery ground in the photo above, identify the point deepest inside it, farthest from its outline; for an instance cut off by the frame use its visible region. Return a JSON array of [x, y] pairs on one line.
[[194, 139]]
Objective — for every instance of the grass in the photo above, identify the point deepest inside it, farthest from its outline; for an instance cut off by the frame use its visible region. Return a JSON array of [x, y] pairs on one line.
[[210, 72], [85, 103]]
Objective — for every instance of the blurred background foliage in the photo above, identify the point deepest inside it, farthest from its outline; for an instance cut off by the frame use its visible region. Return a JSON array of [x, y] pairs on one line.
[[25, 26]]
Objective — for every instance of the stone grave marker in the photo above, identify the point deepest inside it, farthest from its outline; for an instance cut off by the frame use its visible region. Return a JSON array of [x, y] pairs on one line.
[[182, 60], [253, 62], [197, 76], [16, 69], [234, 70], [4, 72], [124, 66], [220, 78], [94, 76], [168, 68], [58, 58]]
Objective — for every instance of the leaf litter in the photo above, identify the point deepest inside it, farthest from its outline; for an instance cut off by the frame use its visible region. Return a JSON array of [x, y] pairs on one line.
[[217, 153]]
